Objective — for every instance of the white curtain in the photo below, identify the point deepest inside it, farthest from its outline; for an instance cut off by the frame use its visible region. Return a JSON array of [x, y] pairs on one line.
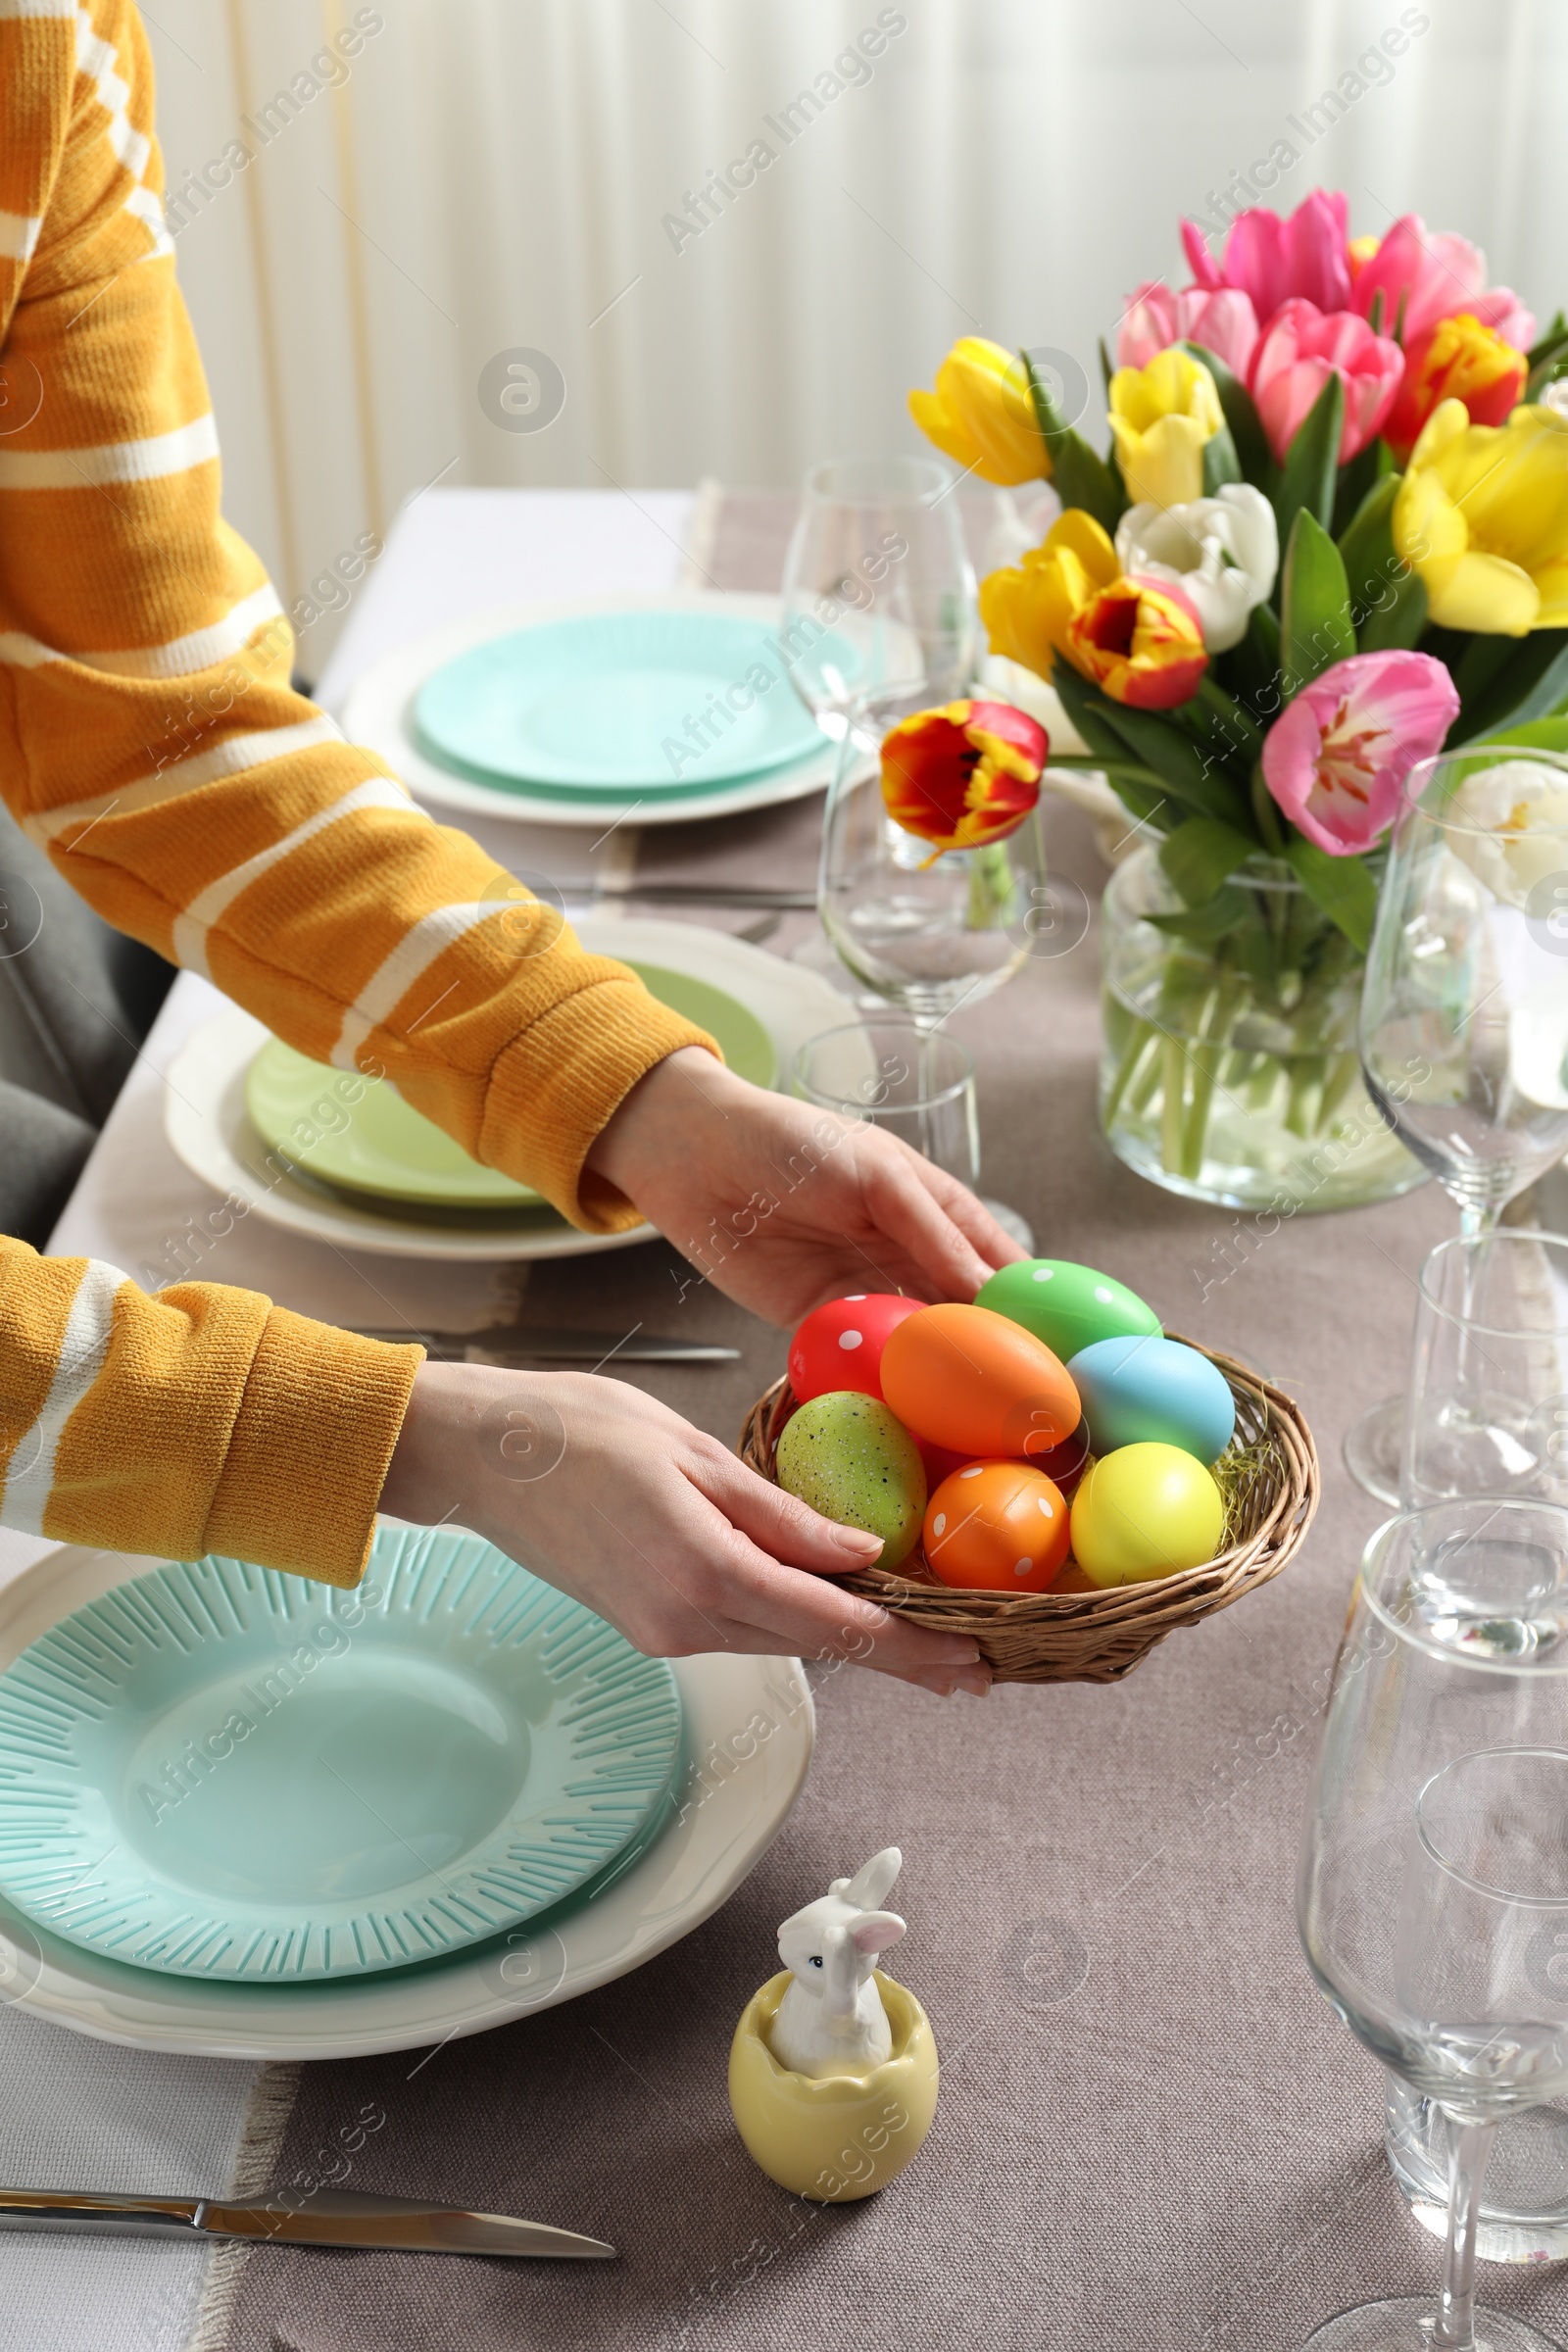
[[444, 180]]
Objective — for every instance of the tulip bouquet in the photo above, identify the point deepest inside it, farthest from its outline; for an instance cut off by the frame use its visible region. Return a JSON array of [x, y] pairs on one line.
[[1330, 534]]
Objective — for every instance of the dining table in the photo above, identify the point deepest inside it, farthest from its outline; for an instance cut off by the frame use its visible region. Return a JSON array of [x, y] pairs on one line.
[[1153, 2135]]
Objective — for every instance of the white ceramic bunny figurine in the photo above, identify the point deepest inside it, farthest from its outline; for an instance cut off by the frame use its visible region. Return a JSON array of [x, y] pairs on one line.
[[831, 2020]]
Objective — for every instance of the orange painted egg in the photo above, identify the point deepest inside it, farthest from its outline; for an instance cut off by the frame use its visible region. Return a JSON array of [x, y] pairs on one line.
[[996, 1527], [977, 1382]]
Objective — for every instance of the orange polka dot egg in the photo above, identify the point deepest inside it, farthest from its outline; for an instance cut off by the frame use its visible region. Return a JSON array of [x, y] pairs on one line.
[[1019, 1456], [996, 1527]]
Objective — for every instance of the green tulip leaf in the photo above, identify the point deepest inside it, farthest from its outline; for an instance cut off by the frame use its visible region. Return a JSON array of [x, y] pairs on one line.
[[1225, 913], [1194, 776], [1080, 475], [1145, 803], [1539, 734], [1201, 853], [1087, 711], [1530, 682], [1220, 462], [1388, 599], [1546, 358], [1555, 335], [1372, 562], [1315, 608], [1246, 432], [1252, 668], [1309, 476], [1340, 886], [1362, 475], [1397, 624], [1145, 739]]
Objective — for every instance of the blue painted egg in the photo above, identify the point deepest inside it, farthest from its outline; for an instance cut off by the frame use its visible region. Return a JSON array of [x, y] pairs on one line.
[[1140, 1391]]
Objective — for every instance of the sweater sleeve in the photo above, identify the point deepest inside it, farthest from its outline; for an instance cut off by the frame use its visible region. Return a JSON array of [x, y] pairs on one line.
[[149, 738], [204, 1419]]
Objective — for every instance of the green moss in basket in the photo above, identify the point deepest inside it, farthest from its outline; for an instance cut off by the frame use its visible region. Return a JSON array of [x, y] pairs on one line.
[[1238, 1474], [847, 1457]]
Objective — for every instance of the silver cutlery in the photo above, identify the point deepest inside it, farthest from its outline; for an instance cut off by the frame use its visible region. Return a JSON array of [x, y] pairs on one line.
[[342, 2218], [512, 1344], [693, 894]]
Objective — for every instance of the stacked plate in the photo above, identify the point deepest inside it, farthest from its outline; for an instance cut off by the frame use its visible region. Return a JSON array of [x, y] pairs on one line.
[[663, 707], [250, 1116], [252, 1816]]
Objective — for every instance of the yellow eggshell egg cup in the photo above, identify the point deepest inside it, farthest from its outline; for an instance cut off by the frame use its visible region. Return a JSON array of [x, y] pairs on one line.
[[845, 2135]]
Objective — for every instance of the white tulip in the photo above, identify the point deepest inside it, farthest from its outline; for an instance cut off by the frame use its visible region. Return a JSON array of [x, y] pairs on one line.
[[1223, 551]]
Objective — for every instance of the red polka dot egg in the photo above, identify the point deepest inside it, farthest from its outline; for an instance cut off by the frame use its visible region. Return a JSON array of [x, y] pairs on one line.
[[840, 1345]]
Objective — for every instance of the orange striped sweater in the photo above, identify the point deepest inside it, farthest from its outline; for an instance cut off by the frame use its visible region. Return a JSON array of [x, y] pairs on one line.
[[150, 742]]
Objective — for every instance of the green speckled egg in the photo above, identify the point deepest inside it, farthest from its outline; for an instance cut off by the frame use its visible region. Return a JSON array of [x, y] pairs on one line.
[[1067, 1306], [853, 1461]]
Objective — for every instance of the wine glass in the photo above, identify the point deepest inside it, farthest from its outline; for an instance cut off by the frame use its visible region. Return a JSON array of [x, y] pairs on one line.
[[1464, 1007], [1433, 1891], [928, 930], [878, 588]]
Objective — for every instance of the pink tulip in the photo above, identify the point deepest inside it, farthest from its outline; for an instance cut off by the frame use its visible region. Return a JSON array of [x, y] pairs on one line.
[[1274, 260], [1337, 757], [1298, 352], [1434, 277], [1219, 318]]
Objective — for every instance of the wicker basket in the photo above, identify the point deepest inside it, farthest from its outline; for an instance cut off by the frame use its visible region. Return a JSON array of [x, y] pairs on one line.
[[1099, 1637]]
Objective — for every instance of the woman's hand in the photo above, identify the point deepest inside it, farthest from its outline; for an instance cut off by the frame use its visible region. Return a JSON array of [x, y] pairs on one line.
[[783, 1206], [613, 1498]]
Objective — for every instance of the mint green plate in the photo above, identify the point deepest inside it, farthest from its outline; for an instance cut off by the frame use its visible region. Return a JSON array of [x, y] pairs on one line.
[[221, 1772], [594, 704], [382, 1146]]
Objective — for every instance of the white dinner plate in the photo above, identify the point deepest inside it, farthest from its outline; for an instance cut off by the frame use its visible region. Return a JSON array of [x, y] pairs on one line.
[[209, 1128], [379, 713], [750, 1728]]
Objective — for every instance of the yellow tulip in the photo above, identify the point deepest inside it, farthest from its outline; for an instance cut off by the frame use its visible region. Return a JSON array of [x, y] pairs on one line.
[[1161, 417], [981, 415], [1027, 608], [1481, 516]]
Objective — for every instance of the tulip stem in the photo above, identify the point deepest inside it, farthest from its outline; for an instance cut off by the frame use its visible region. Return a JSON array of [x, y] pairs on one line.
[[1268, 823]]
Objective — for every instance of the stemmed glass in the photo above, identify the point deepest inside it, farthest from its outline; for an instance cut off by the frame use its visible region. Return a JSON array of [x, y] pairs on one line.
[[932, 932], [878, 588], [1464, 1008], [1433, 1893]]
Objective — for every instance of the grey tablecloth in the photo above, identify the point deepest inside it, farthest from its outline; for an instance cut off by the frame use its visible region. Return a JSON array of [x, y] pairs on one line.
[[1153, 2136]]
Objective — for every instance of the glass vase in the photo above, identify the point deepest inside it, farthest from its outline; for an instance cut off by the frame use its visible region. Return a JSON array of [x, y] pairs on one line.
[[1230, 1070]]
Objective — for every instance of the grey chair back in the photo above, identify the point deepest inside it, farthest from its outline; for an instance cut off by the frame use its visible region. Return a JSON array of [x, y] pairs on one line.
[[77, 1000]]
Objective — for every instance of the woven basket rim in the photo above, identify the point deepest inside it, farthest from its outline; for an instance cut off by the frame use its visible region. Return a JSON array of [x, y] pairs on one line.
[[1099, 1635]]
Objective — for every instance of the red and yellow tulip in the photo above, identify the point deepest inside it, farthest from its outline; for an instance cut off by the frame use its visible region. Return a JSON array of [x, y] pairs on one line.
[[964, 773], [1460, 359], [1140, 643]]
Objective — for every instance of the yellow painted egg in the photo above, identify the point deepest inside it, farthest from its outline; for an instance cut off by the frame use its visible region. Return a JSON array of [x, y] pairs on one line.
[[1146, 1511]]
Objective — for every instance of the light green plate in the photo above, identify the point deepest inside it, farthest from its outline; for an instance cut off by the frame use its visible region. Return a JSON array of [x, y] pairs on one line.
[[384, 1147]]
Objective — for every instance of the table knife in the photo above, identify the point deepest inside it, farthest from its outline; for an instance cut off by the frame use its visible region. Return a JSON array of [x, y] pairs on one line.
[[341, 2218], [693, 894], [512, 1344]]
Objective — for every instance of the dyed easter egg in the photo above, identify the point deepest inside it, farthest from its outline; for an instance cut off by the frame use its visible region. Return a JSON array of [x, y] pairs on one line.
[[1157, 1392], [1067, 1306], [847, 1456], [996, 1527], [964, 1377], [1146, 1511], [840, 1344]]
